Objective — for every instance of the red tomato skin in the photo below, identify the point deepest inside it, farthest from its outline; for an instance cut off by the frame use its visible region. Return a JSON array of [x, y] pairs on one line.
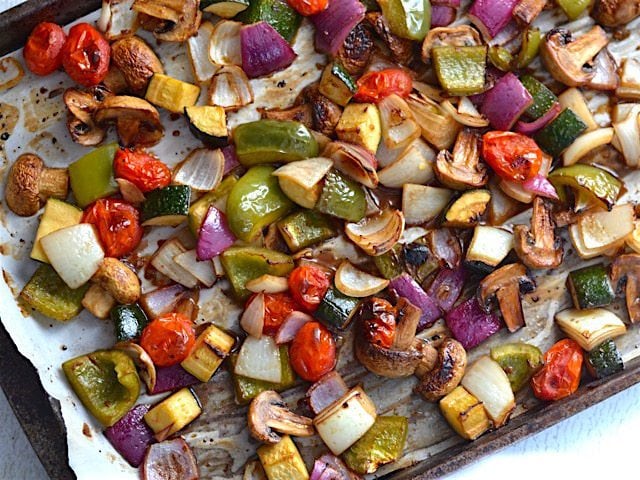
[[277, 306], [308, 7], [378, 318], [560, 375], [86, 55], [118, 225], [43, 50], [313, 352], [513, 156], [168, 339], [308, 286], [142, 169], [375, 86]]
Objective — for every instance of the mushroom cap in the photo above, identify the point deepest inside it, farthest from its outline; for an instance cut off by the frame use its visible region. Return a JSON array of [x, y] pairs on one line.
[[536, 247], [137, 121], [447, 372], [23, 191], [462, 170], [613, 13], [119, 280], [462, 36], [82, 104], [136, 61]]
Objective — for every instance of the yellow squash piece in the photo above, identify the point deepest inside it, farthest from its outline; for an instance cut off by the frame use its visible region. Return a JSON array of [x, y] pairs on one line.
[[282, 461], [465, 413], [210, 349], [173, 413], [171, 94], [360, 124], [57, 215]]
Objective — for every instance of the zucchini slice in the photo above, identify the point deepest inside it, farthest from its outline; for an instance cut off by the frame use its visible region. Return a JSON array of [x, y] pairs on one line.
[[337, 85], [129, 321], [604, 360], [167, 206], [466, 210], [590, 287], [225, 8], [208, 124], [336, 309]]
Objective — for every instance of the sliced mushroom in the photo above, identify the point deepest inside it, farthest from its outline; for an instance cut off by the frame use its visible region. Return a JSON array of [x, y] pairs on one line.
[[171, 20], [527, 11], [613, 13], [572, 61], [137, 121], [355, 52], [82, 105], [143, 361], [537, 247], [625, 270], [606, 72], [269, 414], [118, 280], [462, 36], [30, 183], [137, 62], [462, 170], [505, 285], [447, 372], [401, 48]]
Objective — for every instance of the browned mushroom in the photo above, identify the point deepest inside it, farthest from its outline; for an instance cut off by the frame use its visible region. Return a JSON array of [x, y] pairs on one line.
[[118, 280], [613, 13], [136, 61], [447, 372], [30, 183], [355, 52], [606, 72], [299, 113], [527, 10], [401, 48], [505, 285], [169, 20], [325, 114], [625, 270], [82, 105], [462, 170], [137, 121], [537, 247], [572, 61], [269, 414], [462, 36]]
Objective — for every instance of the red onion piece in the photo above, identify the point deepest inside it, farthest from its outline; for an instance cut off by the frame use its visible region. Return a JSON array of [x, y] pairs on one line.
[[470, 325], [131, 436], [540, 186], [162, 300], [406, 286], [172, 378], [447, 287], [325, 391], [531, 128], [291, 325], [491, 16], [264, 51], [334, 24], [505, 102], [252, 320], [338, 465], [446, 3], [170, 459], [231, 161], [215, 235], [442, 15], [445, 246]]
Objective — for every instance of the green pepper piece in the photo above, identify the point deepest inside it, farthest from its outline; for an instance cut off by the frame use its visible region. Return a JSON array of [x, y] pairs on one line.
[[248, 388], [409, 19], [573, 8], [129, 321], [604, 360], [277, 13], [519, 361], [390, 264], [560, 132], [255, 202], [200, 207], [242, 264], [49, 295], [304, 228], [589, 179], [91, 176], [336, 309], [543, 98], [342, 197], [273, 141], [383, 443], [590, 287], [501, 58], [461, 70], [531, 39], [106, 382]]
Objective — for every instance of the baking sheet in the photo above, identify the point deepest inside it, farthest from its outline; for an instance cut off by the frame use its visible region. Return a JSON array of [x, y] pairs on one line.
[[33, 115]]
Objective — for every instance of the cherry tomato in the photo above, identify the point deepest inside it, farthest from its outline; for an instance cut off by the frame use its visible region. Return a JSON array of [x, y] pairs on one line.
[[313, 351], [308, 7], [560, 375], [43, 50], [512, 156], [168, 339], [277, 307], [308, 286], [142, 169], [86, 55], [118, 224], [378, 319], [375, 86]]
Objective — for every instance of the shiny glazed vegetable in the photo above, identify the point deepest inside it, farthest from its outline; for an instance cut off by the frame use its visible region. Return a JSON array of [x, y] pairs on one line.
[[560, 375], [43, 50]]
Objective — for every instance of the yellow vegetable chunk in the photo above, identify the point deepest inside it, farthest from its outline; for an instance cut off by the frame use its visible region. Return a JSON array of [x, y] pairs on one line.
[[282, 461], [173, 413], [465, 413], [57, 215], [171, 94], [360, 124], [210, 349]]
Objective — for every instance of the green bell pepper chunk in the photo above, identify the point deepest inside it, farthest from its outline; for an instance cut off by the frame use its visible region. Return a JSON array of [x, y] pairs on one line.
[[409, 19], [500, 58], [342, 197], [242, 264], [255, 202], [48, 294], [383, 443], [200, 207], [573, 8], [461, 70], [304, 228], [588, 179], [273, 141], [277, 13], [390, 264], [91, 176], [519, 361], [531, 39], [106, 382]]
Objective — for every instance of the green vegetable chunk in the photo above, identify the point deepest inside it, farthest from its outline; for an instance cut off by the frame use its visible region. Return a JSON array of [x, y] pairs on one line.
[[590, 287], [519, 361], [588, 179], [91, 176], [531, 39], [409, 19], [573, 8], [167, 206], [390, 264], [198, 210], [342, 197], [304, 228], [336, 309], [560, 132], [604, 360], [543, 98], [248, 388], [106, 382], [129, 321], [500, 58], [277, 13], [461, 70]]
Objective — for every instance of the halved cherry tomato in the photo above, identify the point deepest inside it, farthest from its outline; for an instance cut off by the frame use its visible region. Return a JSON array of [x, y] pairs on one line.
[[86, 55], [378, 319], [375, 86], [560, 375], [308, 7], [118, 224], [142, 169], [308, 286], [313, 351], [512, 156], [277, 307], [168, 339], [43, 50]]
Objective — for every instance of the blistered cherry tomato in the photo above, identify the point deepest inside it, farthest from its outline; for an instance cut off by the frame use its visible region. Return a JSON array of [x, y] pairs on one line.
[[313, 352], [43, 50], [512, 156], [86, 55], [308, 7], [308, 286], [142, 169], [375, 86], [277, 307], [378, 319], [168, 339], [560, 375], [118, 225]]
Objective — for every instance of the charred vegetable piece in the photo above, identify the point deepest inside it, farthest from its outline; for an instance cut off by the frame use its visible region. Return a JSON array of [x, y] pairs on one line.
[[465, 212], [519, 361], [336, 309], [543, 98], [211, 348], [500, 58], [224, 8], [173, 413], [409, 19], [208, 124], [305, 228], [283, 461], [337, 85], [560, 132], [604, 360], [129, 321], [49, 294], [91, 176], [590, 287], [460, 70], [342, 197], [198, 209], [465, 413], [106, 382], [531, 39], [277, 13], [383, 443], [390, 264], [591, 327], [167, 206], [171, 94], [589, 179]]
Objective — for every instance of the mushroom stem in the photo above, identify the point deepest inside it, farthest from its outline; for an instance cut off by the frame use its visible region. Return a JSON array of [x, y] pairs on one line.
[[536, 246], [407, 323], [626, 269], [462, 170], [54, 182]]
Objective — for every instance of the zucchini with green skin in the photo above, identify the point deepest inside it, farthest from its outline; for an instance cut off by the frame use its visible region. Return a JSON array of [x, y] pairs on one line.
[[167, 206], [277, 13], [224, 8], [129, 321], [604, 360], [466, 210], [590, 287], [305, 228], [337, 85], [336, 309], [561, 132], [543, 98], [208, 124]]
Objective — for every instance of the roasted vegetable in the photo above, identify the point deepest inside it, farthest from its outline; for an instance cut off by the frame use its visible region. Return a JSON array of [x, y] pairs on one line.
[[383, 443], [519, 361], [590, 287], [604, 360], [173, 413], [465, 413], [466, 210]]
